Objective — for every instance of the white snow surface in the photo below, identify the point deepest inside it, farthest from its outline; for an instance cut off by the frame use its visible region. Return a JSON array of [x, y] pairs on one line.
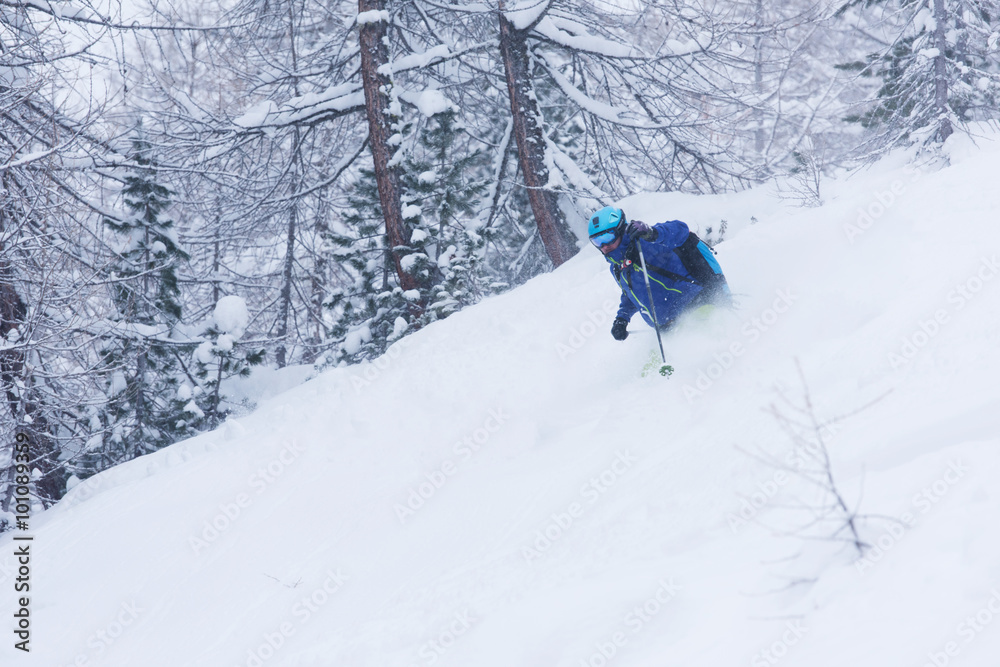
[[503, 489]]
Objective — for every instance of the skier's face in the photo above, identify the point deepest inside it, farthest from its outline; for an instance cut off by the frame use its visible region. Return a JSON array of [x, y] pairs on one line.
[[611, 246]]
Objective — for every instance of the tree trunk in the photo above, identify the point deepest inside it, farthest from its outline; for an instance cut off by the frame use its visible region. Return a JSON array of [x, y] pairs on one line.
[[759, 135], [555, 234], [316, 283], [941, 71], [287, 274], [216, 255], [285, 302], [374, 54], [140, 402], [142, 315]]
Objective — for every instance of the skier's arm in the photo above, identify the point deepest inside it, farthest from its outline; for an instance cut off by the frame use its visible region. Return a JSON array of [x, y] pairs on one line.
[[626, 309], [670, 235], [619, 328]]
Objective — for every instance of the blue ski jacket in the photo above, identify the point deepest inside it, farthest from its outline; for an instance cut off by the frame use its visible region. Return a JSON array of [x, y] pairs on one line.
[[683, 272]]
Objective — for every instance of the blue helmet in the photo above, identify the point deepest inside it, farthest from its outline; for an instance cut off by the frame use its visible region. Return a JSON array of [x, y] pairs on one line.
[[606, 220], [606, 226]]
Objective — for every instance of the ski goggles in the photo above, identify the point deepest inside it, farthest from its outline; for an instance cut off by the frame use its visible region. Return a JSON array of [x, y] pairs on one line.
[[604, 238]]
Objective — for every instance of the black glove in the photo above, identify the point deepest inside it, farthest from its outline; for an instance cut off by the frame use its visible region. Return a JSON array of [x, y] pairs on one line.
[[619, 328], [640, 230]]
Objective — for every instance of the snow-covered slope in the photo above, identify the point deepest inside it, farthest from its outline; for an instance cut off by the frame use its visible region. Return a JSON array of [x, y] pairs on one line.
[[504, 489]]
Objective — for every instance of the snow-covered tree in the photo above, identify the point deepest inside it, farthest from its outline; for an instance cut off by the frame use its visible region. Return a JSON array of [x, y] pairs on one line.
[[937, 71], [443, 185], [442, 181], [141, 353], [219, 357]]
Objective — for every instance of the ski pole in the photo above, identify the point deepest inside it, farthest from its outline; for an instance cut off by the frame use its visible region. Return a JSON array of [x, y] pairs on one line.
[[652, 307]]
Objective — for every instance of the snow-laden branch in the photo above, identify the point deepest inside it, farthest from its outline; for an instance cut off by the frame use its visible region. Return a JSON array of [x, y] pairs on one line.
[[432, 56], [601, 110], [470, 8], [577, 178], [340, 99], [28, 159], [334, 101], [415, 60], [556, 30]]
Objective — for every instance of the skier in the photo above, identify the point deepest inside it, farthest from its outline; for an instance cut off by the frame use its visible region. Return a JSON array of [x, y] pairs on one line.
[[682, 270]]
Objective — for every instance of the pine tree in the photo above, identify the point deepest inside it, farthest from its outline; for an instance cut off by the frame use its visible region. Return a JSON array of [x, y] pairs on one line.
[[374, 310], [445, 184], [140, 354], [442, 182]]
